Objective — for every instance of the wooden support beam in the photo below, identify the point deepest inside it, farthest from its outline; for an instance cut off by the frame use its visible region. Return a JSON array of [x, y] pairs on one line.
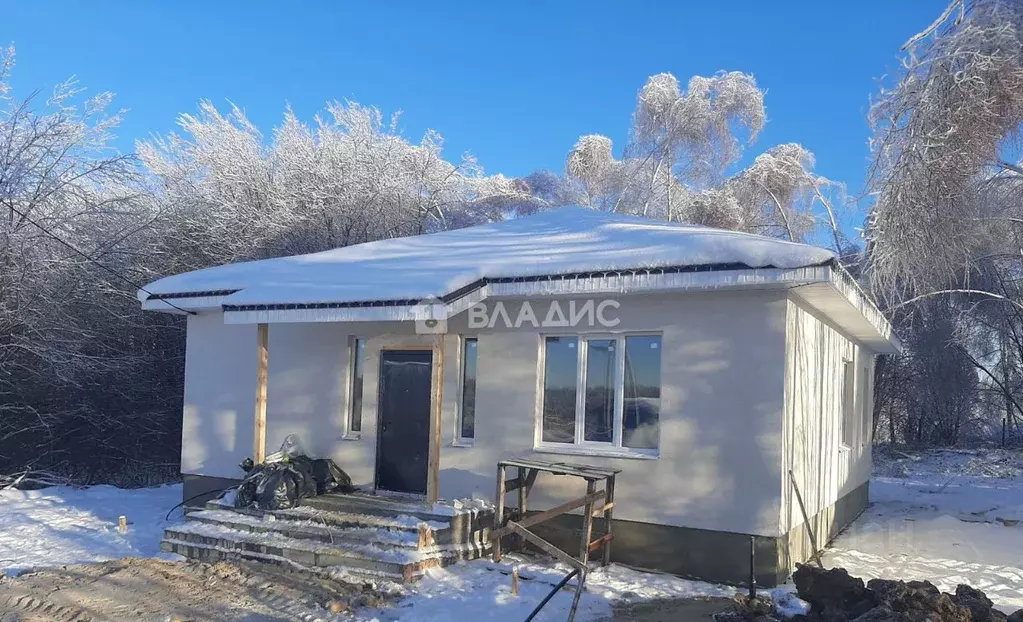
[[806, 521], [495, 535], [522, 504], [608, 524], [262, 359], [436, 418], [584, 545], [597, 512], [599, 542], [568, 506], [546, 546], [531, 479], [520, 481]]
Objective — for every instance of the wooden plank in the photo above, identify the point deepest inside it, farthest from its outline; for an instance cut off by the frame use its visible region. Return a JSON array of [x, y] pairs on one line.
[[531, 479], [608, 523], [568, 506], [563, 468], [597, 512], [436, 415], [498, 532], [596, 544], [806, 521], [522, 503], [262, 360], [546, 546], [584, 544], [520, 482]]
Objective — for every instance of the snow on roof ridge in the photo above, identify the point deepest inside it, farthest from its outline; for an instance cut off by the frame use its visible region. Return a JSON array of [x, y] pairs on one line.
[[562, 241]]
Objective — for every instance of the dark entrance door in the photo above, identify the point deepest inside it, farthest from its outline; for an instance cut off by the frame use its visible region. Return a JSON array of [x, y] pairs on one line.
[[403, 441]]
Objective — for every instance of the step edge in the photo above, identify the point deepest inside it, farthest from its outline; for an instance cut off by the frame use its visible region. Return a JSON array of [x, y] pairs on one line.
[[287, 528], [270, 557], [425, 554]]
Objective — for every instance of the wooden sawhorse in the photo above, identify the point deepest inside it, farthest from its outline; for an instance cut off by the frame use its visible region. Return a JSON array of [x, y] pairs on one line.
[[519, 523]]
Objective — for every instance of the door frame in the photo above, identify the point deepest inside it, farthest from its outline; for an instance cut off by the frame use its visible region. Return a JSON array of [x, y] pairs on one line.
[[436, 412]]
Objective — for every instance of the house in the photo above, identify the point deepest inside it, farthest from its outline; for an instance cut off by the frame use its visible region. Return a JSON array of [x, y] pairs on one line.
[[707, 365]]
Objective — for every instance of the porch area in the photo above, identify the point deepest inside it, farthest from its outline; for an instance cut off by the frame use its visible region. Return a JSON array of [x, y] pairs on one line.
[[361, 534]]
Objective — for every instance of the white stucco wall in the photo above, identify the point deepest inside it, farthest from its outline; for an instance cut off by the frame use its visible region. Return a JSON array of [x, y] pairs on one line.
[[825, 469], [720, 462], [307, 367], [721, 403], [220, 396]]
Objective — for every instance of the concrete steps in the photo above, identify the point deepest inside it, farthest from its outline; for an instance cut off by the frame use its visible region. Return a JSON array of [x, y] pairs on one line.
[[395, 540]]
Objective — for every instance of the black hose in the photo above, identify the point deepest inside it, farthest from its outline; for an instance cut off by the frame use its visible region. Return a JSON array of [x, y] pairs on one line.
[[557, 588], [201, 494]]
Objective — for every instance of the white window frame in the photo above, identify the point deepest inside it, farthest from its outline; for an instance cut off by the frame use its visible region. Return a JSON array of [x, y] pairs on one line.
[[353, 352], [867, 406], [848, 409], [580, 445], [459, 440]]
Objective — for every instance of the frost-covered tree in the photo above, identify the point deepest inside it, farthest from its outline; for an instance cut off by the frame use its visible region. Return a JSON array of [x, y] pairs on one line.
[[947, 182], [350, 177], [948, 213], [90, 384], [71, 209], [678, 164]]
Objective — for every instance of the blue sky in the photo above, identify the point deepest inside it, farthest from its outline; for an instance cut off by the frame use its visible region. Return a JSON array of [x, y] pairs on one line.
[[515, 83]]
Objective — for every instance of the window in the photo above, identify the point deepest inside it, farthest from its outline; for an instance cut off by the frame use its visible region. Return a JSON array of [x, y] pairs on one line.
[[602, 391], [467, 405], [642, 404], [848, 408], [357, 348], [865, 406], [599, 408], [560, 377]]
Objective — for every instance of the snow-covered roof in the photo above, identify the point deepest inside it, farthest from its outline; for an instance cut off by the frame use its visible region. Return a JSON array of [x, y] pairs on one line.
[[557, 242]]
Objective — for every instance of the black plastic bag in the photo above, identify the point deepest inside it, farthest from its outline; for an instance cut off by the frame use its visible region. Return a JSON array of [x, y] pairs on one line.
[[280, 485], [305, 482], [278, 490], [330, 478], [246, 495]]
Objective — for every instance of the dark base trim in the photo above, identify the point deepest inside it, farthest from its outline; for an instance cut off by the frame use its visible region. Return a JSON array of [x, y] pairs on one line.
[[701, 554], [198, 489]]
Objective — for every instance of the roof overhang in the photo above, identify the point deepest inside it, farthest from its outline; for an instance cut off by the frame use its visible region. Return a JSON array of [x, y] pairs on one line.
[[826, 288], [841, 300]]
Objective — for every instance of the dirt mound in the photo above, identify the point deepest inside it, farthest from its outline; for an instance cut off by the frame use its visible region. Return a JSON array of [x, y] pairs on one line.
[[140, 589], [835, 596]]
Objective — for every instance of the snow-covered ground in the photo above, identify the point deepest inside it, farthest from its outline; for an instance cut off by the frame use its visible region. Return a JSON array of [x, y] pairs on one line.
[[482, 590], [947, 516], [61, 526]]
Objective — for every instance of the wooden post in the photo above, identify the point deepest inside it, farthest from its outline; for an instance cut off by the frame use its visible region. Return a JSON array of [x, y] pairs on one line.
[[436, 416], [498, 512], [806, 520], [584, 550], [752, 566], [259, 431], [609, 500], [515, 581], [522, 503]]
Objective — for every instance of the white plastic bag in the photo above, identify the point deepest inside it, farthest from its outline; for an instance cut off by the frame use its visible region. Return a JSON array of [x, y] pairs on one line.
[[291, 446]]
